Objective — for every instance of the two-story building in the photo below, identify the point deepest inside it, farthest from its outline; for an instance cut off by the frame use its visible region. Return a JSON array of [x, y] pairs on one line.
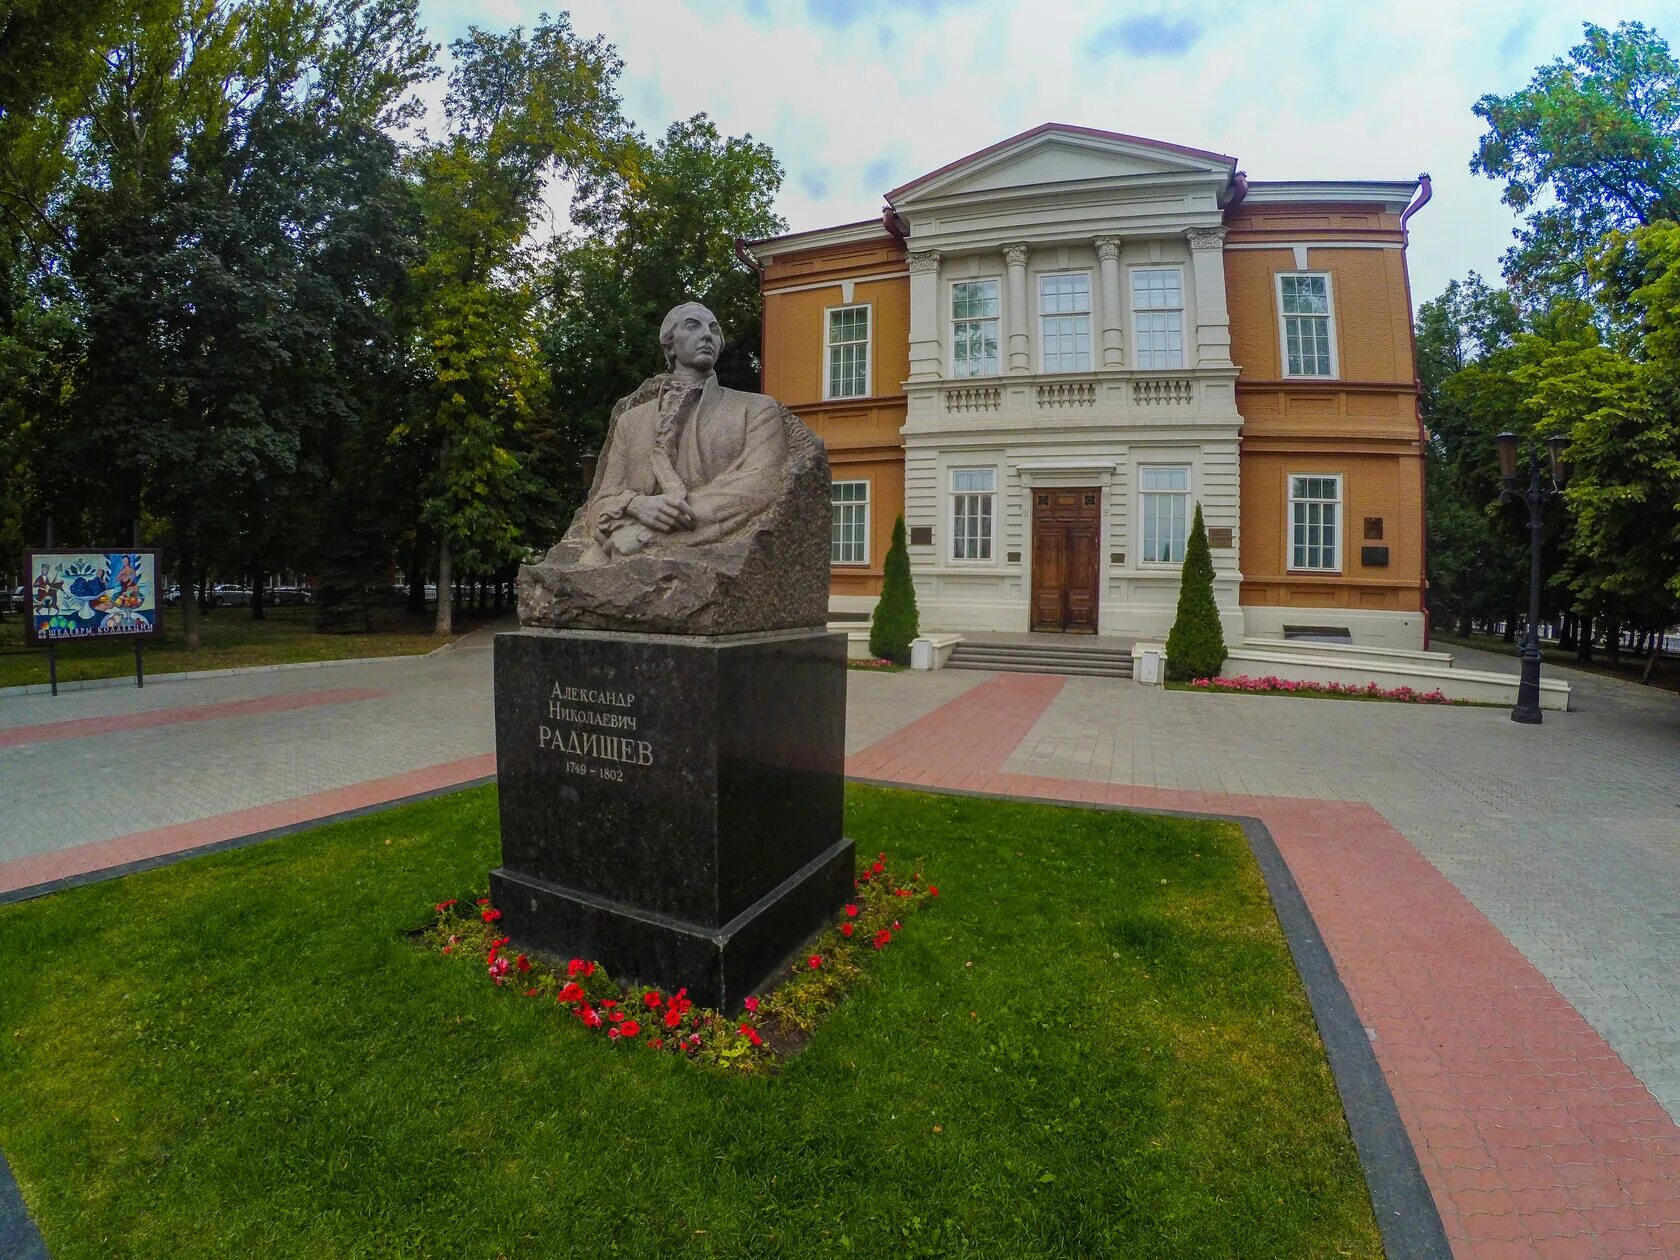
[[1046, 353]]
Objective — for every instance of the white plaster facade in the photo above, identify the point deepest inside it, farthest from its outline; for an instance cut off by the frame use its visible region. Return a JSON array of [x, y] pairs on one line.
[[1064, 201]]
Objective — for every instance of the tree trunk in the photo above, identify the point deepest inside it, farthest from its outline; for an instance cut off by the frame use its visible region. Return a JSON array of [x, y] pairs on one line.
[[1510, 635], [189, 605], [203, 590], [1466, 625], [1613, 644], [1584, 639], [1566, 632], [416, 581], [483, 595], [501, 586], [257, 613], [1651, 660], [445, 606]]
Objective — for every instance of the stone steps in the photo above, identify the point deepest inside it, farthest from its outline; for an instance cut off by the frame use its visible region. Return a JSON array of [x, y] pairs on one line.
[[1021, 658]]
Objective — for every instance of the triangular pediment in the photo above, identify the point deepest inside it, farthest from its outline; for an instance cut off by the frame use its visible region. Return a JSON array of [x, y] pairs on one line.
[[1056, 154]]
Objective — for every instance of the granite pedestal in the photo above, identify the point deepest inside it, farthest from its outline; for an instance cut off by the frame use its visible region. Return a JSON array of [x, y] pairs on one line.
[[672, 804]]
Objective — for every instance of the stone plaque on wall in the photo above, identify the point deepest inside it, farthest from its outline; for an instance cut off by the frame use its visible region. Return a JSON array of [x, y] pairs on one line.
[[1374, 557], [1219, 536], [921, 535]]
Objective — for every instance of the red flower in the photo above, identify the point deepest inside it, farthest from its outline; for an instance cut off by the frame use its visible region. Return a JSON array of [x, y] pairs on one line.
[[751, 1004], [617, 1017], [851, 911], [816, 961], [629, 1028], [882, 938], [491, 956], [608, 1001], [444, 905], [531, 992], [449, 949], [500, 941], [580, 967], [484, 901], [845, 929], [651, 1000], [523, 963], [751, 1034], [499, 969], [876, 869], [614, 1033], [658, 1043], [673, 1017], [490, 916], [587, 1014], [573, 992], [933, 891], [861, 879]]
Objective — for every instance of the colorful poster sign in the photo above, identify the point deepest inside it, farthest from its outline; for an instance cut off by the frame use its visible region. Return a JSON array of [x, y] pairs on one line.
[[76, 595]]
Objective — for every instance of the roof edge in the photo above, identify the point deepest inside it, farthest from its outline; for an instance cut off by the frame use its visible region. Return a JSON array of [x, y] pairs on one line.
[[812, 238]]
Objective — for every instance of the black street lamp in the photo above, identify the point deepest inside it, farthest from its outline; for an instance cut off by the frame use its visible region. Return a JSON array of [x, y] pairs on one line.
[[1536, 497]]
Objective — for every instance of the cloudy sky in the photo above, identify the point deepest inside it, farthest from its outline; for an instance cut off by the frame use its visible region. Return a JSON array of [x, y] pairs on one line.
[[858, 96]]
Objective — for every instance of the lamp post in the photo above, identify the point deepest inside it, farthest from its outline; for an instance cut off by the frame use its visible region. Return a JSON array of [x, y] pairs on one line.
[[1536, 497]]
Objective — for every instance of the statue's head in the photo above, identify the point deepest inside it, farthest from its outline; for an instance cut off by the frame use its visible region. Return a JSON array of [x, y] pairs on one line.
[[690, 336]]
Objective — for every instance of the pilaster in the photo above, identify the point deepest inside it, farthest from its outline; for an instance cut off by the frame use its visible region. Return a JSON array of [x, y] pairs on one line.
[[927, 353], [1113, 312], [1020, 351], [1213, 320]]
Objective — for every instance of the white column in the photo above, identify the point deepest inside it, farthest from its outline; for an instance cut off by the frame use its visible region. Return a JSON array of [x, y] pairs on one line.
[[1020, 355], [1113, 313], [1213, 321], [927, 352]]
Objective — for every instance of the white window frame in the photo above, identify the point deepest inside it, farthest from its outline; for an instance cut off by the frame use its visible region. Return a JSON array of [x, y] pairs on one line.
[[1340, 502], [1136, 310], [853, 503], [1329, 318], [868, 346], [1089, 313], [1145, 560], [951, 322], [955, 500]]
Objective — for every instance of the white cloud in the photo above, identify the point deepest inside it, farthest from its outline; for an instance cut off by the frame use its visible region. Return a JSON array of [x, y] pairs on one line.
[[1298, 89]]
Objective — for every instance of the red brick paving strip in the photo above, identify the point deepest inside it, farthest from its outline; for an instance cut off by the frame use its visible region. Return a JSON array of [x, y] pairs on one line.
[[1535, 1138], [26, 872], [83, 728]]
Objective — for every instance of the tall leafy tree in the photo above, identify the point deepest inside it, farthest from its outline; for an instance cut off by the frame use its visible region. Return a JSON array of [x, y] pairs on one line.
[[521, 108], [656, 230], [1591, 144]]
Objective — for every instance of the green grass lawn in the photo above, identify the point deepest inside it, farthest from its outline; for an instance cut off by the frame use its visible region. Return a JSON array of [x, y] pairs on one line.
[[228, 638], [1093, 1044]]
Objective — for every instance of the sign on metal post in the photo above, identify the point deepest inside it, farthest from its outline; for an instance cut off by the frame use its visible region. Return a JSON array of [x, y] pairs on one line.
[[87, 595]]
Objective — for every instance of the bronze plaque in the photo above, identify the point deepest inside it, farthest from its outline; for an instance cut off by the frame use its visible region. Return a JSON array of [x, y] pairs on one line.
[[1117, 557], [1374, 557], [1373, 527], [1014, 557], [921, 535], [1219, 536]]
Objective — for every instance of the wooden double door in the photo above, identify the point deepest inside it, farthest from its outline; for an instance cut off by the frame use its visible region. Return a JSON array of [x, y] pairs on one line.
[[1066, 536]]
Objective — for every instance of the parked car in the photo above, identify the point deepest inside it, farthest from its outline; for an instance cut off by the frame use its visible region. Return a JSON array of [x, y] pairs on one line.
[[172, 596], [19, 599], [284, 595], [226, 595]]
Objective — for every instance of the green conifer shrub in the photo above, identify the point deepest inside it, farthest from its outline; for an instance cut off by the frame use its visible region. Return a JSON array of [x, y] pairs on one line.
[[895, 621], [1196, 646]]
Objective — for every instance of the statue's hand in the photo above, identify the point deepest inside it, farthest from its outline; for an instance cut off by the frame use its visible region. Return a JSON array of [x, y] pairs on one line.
[[664, 512]]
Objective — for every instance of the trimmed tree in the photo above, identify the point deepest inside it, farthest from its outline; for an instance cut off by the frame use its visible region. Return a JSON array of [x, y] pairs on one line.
[[895, 621], [1196, 646]]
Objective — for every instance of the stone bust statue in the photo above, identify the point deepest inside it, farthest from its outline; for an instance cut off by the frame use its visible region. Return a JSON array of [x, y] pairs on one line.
[[691, 465], [709, 513]]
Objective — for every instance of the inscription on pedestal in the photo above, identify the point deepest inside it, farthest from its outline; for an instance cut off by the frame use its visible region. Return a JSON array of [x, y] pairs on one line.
[[594, 728]]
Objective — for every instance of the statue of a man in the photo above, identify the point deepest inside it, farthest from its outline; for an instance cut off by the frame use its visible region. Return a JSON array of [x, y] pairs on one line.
[[692, 465]]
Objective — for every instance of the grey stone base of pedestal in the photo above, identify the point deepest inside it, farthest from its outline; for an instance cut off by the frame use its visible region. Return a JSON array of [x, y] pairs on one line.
[[723, 965], [672, 806]]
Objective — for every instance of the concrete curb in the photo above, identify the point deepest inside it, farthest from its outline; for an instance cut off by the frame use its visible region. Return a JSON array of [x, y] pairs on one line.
[[99, 684], [19, 1239], [1406, 1213]]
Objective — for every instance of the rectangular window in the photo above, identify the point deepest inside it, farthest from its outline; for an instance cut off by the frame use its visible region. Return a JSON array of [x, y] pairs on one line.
[[1315, 512], [1165, 496], [849, 542], [974, 328], [847, 374], [1158, 317], [1064, 321], [1304, 302], [973, 498]]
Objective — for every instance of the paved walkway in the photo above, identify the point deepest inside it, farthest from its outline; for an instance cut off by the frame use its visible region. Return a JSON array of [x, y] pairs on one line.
[[1503, 902]]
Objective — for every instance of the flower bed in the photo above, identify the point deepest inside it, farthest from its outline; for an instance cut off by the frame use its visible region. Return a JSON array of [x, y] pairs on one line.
[[1270, 684], [771, 1027]]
